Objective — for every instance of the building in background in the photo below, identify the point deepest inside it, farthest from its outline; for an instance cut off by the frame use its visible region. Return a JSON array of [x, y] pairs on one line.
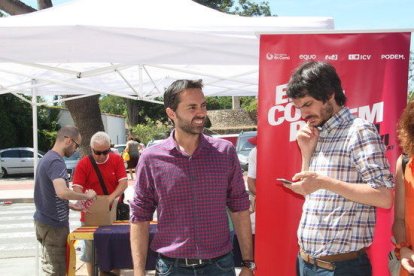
[[114, 125]]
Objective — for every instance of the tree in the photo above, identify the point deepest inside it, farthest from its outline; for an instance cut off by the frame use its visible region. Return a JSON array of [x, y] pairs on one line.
[[243, 7], [113, 105], [86, 114], [13, 110]]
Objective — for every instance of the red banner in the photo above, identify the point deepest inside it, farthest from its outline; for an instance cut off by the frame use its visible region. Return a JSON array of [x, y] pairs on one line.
[[373, 68]]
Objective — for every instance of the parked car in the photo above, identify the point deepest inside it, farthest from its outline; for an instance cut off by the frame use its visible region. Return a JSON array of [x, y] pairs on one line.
[[18, 160], [120, 148], [71, 163], [243, 148], [229, 137]]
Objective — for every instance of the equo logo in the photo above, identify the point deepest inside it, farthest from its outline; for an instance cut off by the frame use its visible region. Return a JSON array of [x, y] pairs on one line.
[[307, 57]]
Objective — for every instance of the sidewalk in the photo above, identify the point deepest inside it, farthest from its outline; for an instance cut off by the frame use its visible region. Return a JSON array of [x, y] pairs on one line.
[[16, 190]]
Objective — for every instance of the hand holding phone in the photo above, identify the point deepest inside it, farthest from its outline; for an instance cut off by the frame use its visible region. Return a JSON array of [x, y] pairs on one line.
[[284, 181]]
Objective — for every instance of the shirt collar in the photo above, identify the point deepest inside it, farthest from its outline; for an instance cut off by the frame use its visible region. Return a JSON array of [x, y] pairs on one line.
[[171, 144]]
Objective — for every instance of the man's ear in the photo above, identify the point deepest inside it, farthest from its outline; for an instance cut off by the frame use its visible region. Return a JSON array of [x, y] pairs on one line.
[[332, 97], [170, 113]]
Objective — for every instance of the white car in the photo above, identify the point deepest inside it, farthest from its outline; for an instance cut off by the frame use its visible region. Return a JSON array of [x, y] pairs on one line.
[[243, 148], [17, 161]]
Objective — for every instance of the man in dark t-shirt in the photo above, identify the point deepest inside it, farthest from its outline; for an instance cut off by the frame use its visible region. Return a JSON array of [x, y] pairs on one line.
[[51, 198]]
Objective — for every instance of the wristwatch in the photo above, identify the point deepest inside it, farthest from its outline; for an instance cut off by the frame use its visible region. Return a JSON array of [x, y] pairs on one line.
[[250, 264]]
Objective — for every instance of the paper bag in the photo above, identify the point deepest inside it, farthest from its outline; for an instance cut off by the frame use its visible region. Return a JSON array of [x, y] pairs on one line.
[[100, 213]]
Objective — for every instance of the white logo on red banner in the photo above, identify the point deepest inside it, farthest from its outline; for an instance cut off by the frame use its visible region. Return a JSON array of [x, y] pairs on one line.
[[359, 57]]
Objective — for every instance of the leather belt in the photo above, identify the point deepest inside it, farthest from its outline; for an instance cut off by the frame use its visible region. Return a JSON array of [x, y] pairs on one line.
[[327, 262], [191, 262]]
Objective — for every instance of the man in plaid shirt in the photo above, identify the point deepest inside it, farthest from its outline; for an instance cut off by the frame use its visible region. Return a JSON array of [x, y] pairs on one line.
[[344, 176]]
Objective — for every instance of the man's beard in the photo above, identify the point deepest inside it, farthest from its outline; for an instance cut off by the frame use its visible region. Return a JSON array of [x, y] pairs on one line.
[[189, 128], [67, 152], [326, 114]]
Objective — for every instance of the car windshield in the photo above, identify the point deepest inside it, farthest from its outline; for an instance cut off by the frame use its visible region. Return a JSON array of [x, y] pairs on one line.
[[243, 145]]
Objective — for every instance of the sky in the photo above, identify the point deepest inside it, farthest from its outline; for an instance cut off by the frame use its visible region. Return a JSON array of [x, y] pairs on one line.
[[352, 14]]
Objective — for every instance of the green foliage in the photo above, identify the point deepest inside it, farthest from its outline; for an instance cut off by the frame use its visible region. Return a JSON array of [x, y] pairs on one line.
[[249, 104], [151, 130], [47, 127], [17, 124], [16, 121], [148, 112], [215, 103], [249, 8], [221, 5], [113, 105], [241, 7]]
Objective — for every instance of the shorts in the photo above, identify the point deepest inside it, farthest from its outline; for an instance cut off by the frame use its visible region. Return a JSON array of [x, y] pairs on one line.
[[53, 240]]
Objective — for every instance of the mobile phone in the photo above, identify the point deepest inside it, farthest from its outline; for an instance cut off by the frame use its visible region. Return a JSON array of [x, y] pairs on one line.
[[284, 181]]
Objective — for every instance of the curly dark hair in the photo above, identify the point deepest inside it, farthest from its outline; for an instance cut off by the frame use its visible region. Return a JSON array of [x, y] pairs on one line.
[[405, 129]]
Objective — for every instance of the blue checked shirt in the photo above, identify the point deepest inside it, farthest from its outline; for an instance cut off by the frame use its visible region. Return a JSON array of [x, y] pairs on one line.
[[349, 149]]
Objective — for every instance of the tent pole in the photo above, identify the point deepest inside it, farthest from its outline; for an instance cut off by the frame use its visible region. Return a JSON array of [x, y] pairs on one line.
[[141, 85], [35, 156]]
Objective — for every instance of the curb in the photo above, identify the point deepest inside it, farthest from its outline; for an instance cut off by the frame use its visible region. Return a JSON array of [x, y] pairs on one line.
[[6, 201]]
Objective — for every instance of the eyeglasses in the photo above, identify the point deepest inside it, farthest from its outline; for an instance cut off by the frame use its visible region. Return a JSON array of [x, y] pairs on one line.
[[104, 152], [76, 144]]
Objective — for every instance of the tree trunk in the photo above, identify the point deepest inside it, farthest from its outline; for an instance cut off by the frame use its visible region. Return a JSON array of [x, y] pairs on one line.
[[87, 117], [15, 7], [44, 4], [133, 112]]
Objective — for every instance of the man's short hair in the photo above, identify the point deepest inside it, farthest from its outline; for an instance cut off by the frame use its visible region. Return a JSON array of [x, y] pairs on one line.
[[67, 131], [100, 138], [318, 80], [172, 93]]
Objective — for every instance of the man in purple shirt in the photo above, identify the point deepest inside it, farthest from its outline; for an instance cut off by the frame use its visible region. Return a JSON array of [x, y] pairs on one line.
[[190, 179]]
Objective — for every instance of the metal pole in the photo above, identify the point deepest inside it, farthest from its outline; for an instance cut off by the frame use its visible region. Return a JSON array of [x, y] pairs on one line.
[[35, 157]]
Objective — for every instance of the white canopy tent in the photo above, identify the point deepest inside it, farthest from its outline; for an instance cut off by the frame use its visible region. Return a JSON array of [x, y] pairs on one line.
[[135, 48]]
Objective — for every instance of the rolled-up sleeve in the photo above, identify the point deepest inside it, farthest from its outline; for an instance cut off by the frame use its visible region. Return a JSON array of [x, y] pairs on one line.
[[143, 204], [369, 156], [237, 196]]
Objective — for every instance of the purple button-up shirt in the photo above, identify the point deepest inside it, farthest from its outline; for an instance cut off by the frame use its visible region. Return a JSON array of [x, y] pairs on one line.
[[191, 194]]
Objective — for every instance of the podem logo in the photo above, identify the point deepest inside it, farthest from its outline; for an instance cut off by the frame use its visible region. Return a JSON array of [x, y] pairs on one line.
[[392, 56]]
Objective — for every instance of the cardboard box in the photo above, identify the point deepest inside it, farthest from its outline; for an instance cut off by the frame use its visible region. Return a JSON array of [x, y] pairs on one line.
[[100, 213]]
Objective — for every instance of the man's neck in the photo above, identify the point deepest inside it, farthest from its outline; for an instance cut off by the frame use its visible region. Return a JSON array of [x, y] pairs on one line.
[[187, 143], [59, 150]]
